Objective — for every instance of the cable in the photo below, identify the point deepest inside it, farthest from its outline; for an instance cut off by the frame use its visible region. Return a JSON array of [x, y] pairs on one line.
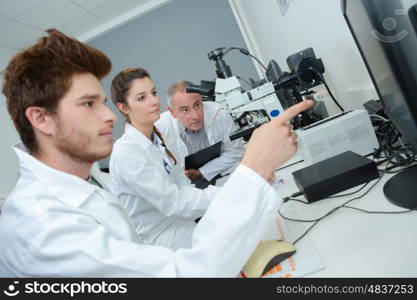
[[378, 212], [349, 194], [394, 157], [315, 221], [392, 150], [327, 87], [296, 194], [296, 220], [397, 171], [246, 52], [298, 200], [292, 197], [228, 50], [259, 62], [305, 233], [354, 208], [379, 117]]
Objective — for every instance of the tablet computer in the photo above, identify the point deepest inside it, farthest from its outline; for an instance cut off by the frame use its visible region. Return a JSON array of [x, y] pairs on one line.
[[200, 158]]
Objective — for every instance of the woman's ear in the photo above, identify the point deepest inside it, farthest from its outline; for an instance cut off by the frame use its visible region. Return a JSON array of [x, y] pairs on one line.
[[40, 119], [124, 108]]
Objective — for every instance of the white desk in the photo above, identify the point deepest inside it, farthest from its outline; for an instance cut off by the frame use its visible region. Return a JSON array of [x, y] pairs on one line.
[[353, 243]]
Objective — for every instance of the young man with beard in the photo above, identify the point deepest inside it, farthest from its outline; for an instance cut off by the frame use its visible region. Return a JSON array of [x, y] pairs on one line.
[[58, 221]]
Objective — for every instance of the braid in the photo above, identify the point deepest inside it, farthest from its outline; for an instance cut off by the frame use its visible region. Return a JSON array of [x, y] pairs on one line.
[[158, 134]]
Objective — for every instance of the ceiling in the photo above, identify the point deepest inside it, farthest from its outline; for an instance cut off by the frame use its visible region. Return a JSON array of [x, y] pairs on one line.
[[22, 22]]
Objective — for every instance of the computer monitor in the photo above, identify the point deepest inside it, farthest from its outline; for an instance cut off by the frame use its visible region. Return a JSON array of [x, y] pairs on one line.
[[385, 32]]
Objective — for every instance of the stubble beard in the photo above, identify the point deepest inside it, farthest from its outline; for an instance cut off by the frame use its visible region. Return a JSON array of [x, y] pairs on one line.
[[76, 146]]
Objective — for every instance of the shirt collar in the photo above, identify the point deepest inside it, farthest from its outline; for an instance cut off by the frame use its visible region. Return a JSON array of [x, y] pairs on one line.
[[137, 136], [155, 139], [188, 131], [207, 116], [67, 188]]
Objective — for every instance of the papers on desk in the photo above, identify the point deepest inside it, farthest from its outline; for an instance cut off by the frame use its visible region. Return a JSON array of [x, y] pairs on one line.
[[305, 261]]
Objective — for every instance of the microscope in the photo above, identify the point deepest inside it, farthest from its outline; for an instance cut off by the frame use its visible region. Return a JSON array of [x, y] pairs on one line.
[[319, 136], [267, 98]]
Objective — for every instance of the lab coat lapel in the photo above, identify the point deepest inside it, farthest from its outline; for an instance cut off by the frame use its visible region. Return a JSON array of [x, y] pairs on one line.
[[104, 179], [151, 150], [208, 123], [180, 145], [104, 209], [65, 187], [79, 194], [155, 157]]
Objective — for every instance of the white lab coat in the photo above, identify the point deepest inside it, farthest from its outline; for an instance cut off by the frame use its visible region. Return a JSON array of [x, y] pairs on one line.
[[218, 125], [163, 207], [55, 224]]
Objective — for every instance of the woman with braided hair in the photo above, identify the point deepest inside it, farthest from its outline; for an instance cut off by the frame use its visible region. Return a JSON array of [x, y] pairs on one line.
[[146, 177]]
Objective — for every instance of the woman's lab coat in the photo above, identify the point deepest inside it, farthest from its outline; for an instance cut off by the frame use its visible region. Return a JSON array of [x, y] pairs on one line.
[[163, 207], [218, 125], [55, 224]]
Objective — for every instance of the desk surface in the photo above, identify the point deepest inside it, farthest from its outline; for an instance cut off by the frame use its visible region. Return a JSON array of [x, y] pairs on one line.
[[353, 243]]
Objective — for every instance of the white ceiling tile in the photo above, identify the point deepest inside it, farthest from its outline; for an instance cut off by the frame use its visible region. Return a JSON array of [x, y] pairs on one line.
[[32, 17], [90, 4], [13, 8], [5, 56], [51, 14], [115, 8], [3, 20], [18, 36], [81, 25]]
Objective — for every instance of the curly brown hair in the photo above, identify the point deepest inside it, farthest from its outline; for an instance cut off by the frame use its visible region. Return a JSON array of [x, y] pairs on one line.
[[41, 75]]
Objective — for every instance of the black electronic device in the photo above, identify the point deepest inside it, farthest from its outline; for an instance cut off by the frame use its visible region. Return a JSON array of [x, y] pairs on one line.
[[386, 35], [374, 107], [334, 175], [222, 69], [200, 158], [274, 73], [205, 89], [307, 68], [306, 72]]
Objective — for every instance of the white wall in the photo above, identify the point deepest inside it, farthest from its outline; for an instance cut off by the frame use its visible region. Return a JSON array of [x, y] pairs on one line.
[[9, 168], [170, 57], [316, 23]]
